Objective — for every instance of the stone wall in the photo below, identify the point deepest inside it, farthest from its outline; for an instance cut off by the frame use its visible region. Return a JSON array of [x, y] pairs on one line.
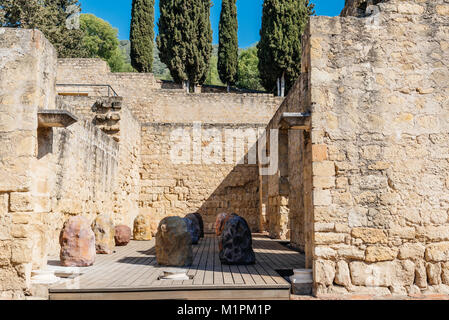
[[48, 174], [156, 101], [97, 71], [26, 57], [379, 88], [117, 121], [288, 190], [359, 8], [202, 183], [180, 107]]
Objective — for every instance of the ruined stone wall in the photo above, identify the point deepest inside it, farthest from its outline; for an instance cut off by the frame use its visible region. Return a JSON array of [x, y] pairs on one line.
[[97, 71], [202, 184], [26, 57], [154, 101], [289, 189], [178, 106], [117, 121], [75, 174], [49, 174], [379, 88]]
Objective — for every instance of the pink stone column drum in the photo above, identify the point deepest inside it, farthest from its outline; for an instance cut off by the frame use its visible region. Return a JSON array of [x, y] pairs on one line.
[[122, 235], [77, 242]]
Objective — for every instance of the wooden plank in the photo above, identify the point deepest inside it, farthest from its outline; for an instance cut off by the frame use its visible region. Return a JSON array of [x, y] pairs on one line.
[[90, 277], [218, 271], [273, 294], [227, 274], [199, 276], [109, 263], [263, 274], [279, 257], [267, 265], [195, 249], [238, 279], [132, 272], [196, 261], [137, 272], [246, 275], [209, 269]]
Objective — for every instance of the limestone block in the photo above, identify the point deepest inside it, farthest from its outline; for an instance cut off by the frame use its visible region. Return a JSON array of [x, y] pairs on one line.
[[369, 235], [411, 251], [5, 253], [421, 274], [21, 251], [329, 238], [443, 9], [20, 231], [324, 169], [437, 252], [319, 152], [342, 275], [236, 242], [77, 242], [410, 8], [5, 227], [434, 273], [351, 253], [122, 235], [322, 197], [445, 273], [20, 202], [142, 228], [324, 252], [433, 233], [390, 273], [324, 182], [324, 272], [378, 254], [104, 230], [173, 243], [4, 200], [10, 281]]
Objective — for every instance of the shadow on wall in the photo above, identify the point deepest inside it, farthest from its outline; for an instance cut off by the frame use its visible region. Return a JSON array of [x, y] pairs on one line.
[[237, 193]]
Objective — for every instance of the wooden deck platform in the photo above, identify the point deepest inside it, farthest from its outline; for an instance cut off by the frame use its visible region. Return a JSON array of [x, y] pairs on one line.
[[133, 273]]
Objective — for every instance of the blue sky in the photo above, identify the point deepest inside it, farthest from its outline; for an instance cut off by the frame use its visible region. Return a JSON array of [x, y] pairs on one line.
[[118, 14]]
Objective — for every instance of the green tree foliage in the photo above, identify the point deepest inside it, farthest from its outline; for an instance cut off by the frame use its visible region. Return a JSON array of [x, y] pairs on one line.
[[100, 40], [185, 39], [142, 35], [248, 72], [49, 16], [228, 50], [279, 49]]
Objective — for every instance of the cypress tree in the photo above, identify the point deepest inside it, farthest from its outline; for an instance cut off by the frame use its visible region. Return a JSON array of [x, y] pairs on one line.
[[198, 70], [142, 35], [228, 49], [185, 39], [279, 49]]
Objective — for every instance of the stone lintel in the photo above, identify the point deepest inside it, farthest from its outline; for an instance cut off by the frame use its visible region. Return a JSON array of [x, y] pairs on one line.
[[55, 118], [295, 121]]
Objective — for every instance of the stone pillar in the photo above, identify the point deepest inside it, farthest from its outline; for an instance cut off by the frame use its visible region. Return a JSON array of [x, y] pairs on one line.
[[27, 83]]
